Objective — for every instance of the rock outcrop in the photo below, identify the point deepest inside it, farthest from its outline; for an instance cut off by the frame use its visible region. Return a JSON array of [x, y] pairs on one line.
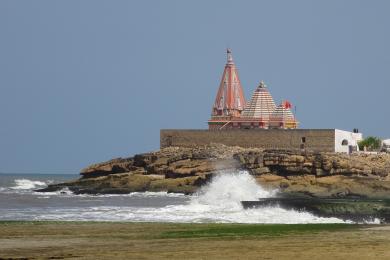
[[184, 170], [321, 174]]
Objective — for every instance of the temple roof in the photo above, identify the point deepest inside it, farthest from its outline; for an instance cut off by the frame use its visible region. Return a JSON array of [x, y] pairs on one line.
[[261, 104], [283, 113], [230, 100]]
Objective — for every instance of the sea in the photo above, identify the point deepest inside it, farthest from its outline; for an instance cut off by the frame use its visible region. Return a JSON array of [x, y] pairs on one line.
[[217, 202]]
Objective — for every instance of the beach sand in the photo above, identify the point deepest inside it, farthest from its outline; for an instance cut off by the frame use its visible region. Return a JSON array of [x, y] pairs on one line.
[[108, 240]]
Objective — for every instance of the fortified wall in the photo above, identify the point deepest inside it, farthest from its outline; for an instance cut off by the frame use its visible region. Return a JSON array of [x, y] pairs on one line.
[[309, 139]]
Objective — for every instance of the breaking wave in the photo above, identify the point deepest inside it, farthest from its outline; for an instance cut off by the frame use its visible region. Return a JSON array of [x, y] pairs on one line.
[[228, 189], [25, 184], [220, 201], [217, 202]]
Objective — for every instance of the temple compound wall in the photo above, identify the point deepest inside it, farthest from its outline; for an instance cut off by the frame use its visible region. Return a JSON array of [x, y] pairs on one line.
[[324, 140]]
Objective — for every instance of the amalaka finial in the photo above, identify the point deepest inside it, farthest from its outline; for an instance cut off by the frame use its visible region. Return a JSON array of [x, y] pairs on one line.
[[229, 56], [262, 84]]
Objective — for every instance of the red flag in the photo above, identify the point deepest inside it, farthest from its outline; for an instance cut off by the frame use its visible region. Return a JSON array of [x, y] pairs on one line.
[[287, 104]]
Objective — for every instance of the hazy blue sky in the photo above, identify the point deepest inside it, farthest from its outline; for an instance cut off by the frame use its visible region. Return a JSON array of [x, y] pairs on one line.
[[86, 81]]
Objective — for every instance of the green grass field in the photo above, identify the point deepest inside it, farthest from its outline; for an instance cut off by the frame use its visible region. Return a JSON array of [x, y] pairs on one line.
[[114, 240]]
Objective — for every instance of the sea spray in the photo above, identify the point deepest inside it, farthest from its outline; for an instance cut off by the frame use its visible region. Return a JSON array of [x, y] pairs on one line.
[[26, 184], [228, 189], [220, 201], [217, 202]]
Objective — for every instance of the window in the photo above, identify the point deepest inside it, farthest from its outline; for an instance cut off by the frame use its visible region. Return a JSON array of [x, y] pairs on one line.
[[344, 142], [303, 140]]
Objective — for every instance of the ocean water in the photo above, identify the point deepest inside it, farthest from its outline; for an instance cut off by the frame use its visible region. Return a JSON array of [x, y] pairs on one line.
[[218, 202]]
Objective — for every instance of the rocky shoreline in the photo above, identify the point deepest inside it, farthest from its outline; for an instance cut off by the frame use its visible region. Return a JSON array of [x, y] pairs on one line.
[[184, 170]]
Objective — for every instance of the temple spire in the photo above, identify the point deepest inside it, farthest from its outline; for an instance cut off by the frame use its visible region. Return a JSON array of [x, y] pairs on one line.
[[230, 100]]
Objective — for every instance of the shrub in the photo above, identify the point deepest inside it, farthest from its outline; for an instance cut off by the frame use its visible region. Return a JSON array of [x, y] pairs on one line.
[[371, 142]]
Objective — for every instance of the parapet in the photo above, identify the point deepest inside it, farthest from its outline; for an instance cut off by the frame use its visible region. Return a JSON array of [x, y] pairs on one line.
[[307, 139]]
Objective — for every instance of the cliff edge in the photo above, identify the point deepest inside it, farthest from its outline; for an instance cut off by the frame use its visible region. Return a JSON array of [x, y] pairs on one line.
[[184, 170]]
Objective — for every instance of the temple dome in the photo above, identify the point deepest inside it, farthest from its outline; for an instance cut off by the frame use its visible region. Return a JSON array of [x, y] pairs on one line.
[[261, 104]]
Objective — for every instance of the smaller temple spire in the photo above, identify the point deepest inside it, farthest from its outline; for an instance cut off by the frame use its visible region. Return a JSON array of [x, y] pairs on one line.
[[261, 106], [229, 56]]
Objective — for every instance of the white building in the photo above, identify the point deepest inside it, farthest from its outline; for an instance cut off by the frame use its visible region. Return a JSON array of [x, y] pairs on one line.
[[386, 145], [347, 142]]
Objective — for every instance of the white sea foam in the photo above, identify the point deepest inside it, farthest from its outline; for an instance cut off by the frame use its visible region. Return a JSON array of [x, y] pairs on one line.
[[146, 194], [228, 189], [185, 214], [66, 192], [162, 194], [219, 201], [25, 184]]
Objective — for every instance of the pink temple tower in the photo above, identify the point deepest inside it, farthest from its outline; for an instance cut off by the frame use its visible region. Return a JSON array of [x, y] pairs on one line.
[[231, 111], [230, 100]]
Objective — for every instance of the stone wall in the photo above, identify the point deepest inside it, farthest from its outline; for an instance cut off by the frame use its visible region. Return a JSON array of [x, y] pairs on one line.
[[309, 139]]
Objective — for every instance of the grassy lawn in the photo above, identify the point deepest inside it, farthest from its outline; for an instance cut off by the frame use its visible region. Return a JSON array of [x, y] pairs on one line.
[[248, 230], [118, 240]]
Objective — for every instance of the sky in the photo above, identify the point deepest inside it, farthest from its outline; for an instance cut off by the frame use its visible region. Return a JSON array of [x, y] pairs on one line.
[[86, 81]]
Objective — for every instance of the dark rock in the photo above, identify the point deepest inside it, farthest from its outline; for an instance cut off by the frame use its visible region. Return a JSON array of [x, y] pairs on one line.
[[356, 209]]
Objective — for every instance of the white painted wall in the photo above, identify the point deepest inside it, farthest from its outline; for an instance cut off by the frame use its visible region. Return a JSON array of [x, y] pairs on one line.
[[386, 145], [386, 142], [352, 138]]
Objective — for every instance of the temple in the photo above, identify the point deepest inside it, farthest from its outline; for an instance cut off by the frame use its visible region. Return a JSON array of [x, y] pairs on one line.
[[259, 123], [231, 111]]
